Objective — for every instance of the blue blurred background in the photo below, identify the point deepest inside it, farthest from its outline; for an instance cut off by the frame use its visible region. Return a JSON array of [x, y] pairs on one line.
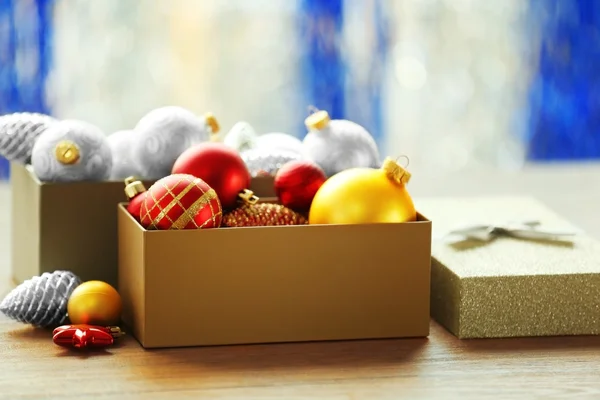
[[453, 84]]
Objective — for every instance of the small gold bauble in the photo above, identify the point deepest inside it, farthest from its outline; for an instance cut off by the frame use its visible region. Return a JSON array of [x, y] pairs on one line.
[[95, 303], [67, 152]]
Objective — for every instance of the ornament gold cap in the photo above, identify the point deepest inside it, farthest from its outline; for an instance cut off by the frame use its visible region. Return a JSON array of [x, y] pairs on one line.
[[395, 172], [133, 187], [115, 331], [214, 127], [248, 197], [212, 122], [67, 152], [317, 121]]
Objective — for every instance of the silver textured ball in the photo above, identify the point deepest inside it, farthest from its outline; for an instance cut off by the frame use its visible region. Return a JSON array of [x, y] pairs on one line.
[[70, 151], [279, 141], [163, 134], [18, 133], [120, 144], [241, 137], [262, 162], [341, 145], [42, 300]]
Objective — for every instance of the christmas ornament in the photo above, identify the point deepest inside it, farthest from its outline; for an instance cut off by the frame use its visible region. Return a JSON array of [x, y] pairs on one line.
[[281, 142], [86, 336], [261, 162], [163, 134], [136, 193], [297, 182], [42, 300], [363, 196], [219, 166], [71, 151], [120, 144], [241, 137], [181, 201], [337, 145], [262, 214], [18, 133], [94, 303]]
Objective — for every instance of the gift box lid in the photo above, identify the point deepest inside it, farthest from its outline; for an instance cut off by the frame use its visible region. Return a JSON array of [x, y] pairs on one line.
[[510, 286], [507, 256]]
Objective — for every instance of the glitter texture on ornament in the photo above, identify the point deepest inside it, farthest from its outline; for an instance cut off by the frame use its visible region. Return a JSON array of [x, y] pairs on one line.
[[42, 300], [262, 214], [266, 162]]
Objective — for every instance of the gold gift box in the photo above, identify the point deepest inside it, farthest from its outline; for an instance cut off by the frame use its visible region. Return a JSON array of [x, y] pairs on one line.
[[511, 287]]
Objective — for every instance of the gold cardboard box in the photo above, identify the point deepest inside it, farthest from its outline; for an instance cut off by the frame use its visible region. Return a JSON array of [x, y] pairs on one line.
[[274, 284], [511, 287], [70, 226]]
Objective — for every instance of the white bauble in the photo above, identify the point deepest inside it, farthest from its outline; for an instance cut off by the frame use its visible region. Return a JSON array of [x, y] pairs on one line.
[[338, 145], [70, 151], [120, 143], [163, 134]]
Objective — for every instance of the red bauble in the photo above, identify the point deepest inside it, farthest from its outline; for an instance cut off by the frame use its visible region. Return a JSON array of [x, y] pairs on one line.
[[219, 166], [136, 193], [297, 182], [181, 201]]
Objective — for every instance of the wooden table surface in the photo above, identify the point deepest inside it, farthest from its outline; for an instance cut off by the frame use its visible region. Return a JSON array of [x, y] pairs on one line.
[[439, 367]]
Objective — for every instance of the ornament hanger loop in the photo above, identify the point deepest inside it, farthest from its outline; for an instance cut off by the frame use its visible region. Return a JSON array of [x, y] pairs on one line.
[[404, 157], [312, 109]]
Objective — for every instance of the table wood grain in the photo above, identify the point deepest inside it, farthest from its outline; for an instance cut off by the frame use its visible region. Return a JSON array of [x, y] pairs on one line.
[[439, 367]]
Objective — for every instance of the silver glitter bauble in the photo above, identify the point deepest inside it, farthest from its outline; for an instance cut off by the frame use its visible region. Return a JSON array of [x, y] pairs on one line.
[[42, 300], [18, 133], [261, 162], [163, 134], [123, 166], [70, 151], [338, 145], [241, 137], [279, 141]]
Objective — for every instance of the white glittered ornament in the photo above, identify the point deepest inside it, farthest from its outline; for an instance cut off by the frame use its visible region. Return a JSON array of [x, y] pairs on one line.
[[120, 143], [42, 300], [241, 137], [266, 162], [18, 133], [71, 151], [279, 141], [166, 132], [338, 145]]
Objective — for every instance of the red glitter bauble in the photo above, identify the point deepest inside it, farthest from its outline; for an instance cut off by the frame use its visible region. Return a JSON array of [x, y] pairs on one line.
[[297, 182], [218, 165], [181, 201]]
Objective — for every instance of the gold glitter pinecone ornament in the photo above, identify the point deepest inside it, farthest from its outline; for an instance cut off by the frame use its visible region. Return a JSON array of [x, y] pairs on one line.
[[262, 214]]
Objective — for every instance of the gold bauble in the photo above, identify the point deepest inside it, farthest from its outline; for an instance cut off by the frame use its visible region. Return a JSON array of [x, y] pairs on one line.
[[94, 303], [363, 196]]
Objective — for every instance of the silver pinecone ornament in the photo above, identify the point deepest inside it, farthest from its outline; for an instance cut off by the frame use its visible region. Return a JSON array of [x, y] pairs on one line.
[[42, 300], [18, 133]]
